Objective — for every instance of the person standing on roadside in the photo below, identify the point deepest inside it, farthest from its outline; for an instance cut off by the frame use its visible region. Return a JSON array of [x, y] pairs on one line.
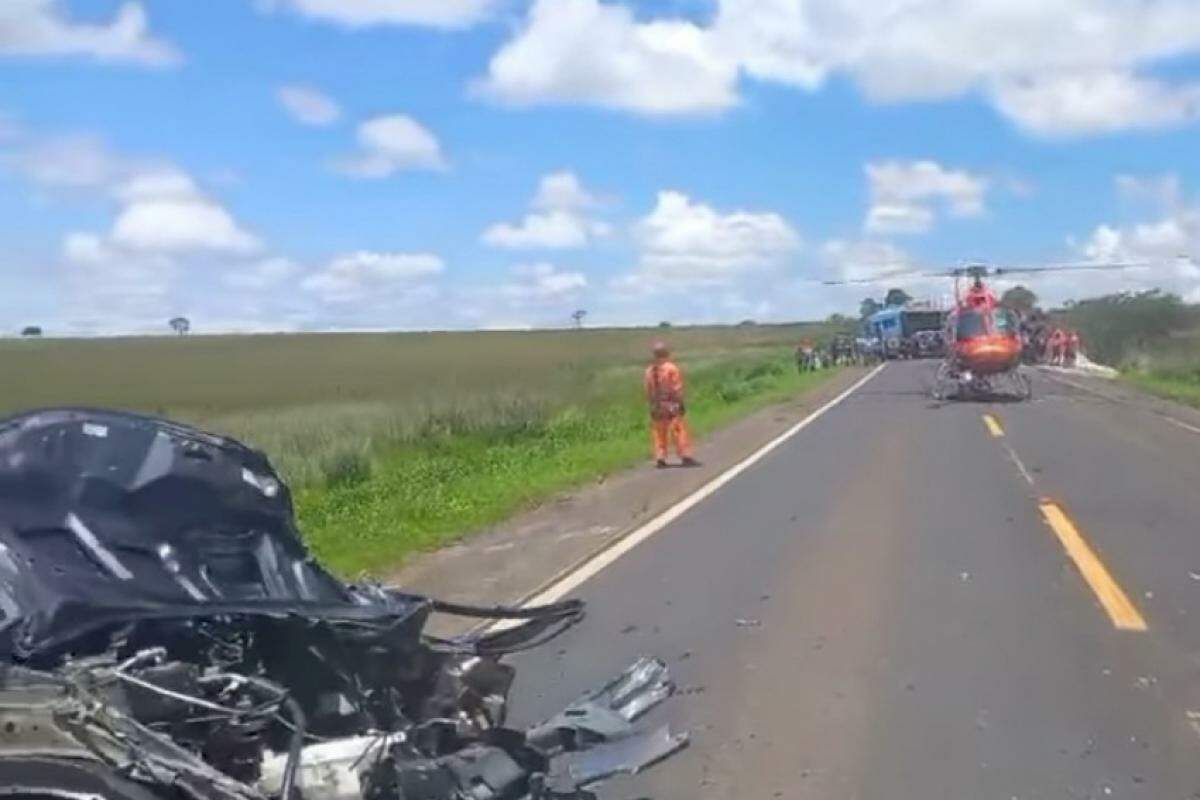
[[1071, 347], [1058, 342], [664, 393]]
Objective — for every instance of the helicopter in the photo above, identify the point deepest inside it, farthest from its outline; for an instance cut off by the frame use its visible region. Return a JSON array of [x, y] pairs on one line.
[[984, 345]]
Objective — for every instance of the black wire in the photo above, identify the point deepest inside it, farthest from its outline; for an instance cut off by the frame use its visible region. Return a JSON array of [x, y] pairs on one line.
[[564, 608], [540, 625], [293, 760]]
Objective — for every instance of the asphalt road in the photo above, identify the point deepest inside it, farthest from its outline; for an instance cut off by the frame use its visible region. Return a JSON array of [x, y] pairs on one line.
[[911, 625]]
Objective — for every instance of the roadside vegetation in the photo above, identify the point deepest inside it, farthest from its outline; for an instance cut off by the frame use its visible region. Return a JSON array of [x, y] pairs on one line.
[[1152, 337], [398, 442]]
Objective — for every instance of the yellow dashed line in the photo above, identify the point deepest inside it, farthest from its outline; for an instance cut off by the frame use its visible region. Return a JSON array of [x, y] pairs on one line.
[[993, 426], [1120, 608]]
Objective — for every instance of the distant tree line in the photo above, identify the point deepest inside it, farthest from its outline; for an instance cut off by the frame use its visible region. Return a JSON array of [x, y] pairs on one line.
[[1130, 327], [1126, 328]]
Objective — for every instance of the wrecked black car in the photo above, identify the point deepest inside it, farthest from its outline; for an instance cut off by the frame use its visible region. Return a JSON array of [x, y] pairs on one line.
[[166, 634]]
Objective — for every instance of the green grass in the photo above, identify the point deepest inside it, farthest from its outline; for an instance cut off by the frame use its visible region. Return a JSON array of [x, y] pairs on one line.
[[398, 442], [1180, 386], [316, 403], [425, 495]]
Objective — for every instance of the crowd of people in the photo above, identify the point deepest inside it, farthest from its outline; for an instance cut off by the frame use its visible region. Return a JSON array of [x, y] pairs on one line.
[[1043, 343], [840, 351], [1046, 343]]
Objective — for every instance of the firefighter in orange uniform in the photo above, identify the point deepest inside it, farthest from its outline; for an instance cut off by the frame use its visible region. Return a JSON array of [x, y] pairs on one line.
[[664, 393], [1058, 343]]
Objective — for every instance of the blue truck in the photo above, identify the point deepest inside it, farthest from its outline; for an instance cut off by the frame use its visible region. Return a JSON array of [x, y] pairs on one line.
[[893, 332]]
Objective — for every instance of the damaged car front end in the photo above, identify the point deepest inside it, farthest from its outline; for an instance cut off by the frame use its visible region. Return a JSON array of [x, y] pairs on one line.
[[168, 635]]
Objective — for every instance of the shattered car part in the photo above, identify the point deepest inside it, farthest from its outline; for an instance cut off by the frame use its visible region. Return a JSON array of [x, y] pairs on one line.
[[629, 755], [606, 714], [166, 635]]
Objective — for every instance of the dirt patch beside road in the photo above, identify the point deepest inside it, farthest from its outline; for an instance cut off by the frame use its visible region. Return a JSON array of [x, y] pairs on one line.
[[513, 560]]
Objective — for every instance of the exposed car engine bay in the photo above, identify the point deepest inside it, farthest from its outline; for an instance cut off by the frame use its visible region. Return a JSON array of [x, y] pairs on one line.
[[168, 635]]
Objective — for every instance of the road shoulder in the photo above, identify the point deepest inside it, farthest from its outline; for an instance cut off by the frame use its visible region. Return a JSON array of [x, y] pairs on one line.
[[1122, 393], [509, 562]]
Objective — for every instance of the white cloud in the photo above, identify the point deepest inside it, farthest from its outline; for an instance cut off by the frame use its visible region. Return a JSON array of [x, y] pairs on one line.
[[364, 13], [1161, 241], [584, 51], [553, 230], [309, 106], [1162, 191], [563, 191], [43, 28], [864, 260], [689, 244], [69, 162], [369, 275], [906, 195], [1064, 68], [161, 209], [112, 290], [265, 274], [542, 283], [390, 144], [165, 231], [165, 212], [872, 267], [122, 281], [165, 183], [1095, 102], [558, 221], [1175, 233], [1169, 244]]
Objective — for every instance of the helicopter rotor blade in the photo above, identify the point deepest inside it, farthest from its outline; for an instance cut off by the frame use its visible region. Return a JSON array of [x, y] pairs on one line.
[[984, 270], [891, 276], [1081, 267]]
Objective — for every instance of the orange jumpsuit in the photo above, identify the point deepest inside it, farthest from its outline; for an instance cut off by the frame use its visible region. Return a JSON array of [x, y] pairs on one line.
[[664, 393], [1058, 341]]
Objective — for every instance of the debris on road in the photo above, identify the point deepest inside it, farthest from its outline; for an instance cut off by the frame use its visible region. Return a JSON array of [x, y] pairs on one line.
[[748, 623], [167, 635]]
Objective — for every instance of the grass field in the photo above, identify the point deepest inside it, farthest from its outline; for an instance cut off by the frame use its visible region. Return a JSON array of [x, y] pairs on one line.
[[1180, 387], [397, 442]]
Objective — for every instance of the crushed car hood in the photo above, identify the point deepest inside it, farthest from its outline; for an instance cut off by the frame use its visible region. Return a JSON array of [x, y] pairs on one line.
[[169, 636], [109, 517]]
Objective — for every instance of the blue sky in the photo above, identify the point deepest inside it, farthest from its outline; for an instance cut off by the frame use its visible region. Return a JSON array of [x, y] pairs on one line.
[[336, 164]]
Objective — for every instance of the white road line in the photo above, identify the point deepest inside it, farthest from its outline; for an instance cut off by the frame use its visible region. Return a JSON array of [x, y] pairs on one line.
[[569, 582], [1012, 454], [1180, 424]]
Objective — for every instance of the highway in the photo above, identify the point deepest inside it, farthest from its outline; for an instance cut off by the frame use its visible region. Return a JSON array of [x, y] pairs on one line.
[[913, 601]]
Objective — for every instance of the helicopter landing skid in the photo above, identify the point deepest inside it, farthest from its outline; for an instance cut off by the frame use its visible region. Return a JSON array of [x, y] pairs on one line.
[[950, 382]]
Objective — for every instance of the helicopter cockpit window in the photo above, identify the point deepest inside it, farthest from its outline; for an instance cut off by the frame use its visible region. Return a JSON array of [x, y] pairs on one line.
[[1006, 321], [970, 323]]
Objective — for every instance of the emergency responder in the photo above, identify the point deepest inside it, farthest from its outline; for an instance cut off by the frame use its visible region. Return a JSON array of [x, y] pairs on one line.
[[664, 393], [1071, 348], [806, 356], [1058, 342]]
